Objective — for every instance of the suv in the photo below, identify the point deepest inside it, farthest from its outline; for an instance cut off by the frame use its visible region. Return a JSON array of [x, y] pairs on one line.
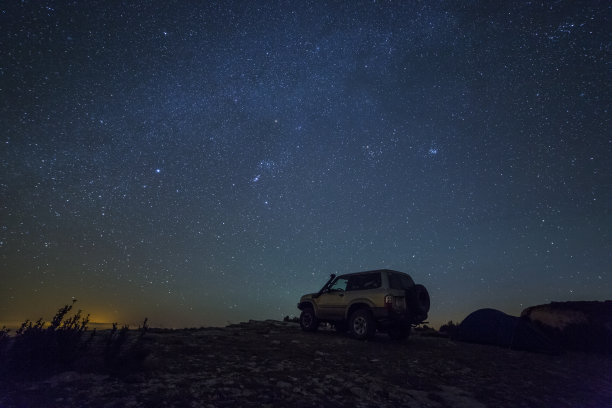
[[363, 302]]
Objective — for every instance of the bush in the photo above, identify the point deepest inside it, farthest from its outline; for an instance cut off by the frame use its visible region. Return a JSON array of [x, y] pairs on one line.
[[449, 328], [120, 358], [293, 319], [40, 349], [4, 340]]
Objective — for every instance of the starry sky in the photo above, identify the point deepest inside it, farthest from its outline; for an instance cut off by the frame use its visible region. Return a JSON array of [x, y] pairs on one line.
[[200, 163]]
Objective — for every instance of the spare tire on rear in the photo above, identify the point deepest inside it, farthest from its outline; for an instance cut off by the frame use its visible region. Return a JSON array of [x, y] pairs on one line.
[[418, 300]]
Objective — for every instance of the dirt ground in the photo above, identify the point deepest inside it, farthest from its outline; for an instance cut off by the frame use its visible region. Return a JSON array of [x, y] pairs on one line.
[[275, 364]]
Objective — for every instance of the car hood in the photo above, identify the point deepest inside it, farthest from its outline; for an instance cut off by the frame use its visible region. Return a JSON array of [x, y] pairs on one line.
[[308, 296]]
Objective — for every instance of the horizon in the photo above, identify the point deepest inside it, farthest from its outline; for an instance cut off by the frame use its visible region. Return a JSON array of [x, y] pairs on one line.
[[15, 324]]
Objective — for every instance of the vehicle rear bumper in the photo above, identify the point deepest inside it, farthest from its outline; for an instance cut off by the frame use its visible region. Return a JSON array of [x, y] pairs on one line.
[[386, 317]]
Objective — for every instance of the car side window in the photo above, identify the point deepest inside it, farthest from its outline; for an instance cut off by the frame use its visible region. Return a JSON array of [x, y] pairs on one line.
[[394, 281], [364, 282], [339, 285], [371, 281], [397, 281]]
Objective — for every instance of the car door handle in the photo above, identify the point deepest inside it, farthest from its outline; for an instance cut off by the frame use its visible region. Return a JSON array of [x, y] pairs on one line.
[[341, 294]]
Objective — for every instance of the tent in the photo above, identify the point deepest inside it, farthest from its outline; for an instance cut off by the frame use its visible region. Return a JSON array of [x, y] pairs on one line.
[[490, 326]]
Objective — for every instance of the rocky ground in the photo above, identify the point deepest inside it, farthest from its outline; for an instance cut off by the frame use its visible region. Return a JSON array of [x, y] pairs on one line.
[[275, 364]]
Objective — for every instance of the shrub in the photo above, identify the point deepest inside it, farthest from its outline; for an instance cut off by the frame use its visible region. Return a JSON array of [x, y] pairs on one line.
[[41, 349], [4, 340], [38, 350], [449, 328], [293, 319], [119, 355]]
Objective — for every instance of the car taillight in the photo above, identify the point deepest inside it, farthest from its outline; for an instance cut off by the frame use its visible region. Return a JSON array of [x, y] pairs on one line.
[[389, 302]]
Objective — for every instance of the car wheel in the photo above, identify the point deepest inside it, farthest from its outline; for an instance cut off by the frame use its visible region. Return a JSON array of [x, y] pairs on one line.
[[398, 333], [308, 320], [362, 324]]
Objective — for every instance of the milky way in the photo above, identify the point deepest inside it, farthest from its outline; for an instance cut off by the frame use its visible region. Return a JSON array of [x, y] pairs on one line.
[[206, 162]]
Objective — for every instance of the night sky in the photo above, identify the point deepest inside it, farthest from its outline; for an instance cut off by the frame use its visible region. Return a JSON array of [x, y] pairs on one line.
[[200, 163]]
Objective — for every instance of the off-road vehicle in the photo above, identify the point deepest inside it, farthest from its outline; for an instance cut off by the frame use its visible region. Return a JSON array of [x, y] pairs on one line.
[[363, 302]]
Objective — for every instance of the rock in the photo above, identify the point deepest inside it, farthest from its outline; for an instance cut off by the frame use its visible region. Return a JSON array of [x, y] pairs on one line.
[[375, 388], [456, 397], [359, 392], [151, 362], [66, 376], [210, 383], [584, 326]]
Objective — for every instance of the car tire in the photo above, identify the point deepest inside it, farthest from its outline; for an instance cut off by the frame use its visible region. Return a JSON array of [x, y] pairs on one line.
[[398, 333], [362, 325], [308, 320]]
